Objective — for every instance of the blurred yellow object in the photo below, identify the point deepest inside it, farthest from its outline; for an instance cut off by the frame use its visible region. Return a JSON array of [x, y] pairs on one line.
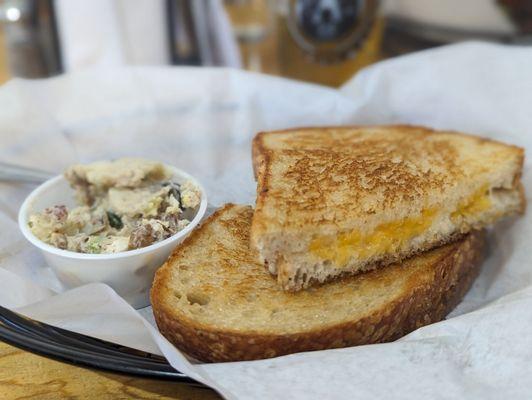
[[327, 45], [4, 69], [324, 42], [295, 64]]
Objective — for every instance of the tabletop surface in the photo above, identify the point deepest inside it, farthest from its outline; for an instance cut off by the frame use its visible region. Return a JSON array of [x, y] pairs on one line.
[[24, 375]]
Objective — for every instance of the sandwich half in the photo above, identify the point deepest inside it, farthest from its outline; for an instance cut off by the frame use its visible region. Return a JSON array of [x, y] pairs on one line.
[[214, 300], [343, 200]]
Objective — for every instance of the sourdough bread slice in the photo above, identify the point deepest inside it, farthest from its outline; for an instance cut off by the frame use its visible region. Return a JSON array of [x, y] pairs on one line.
[[214, 300], [343, 200]]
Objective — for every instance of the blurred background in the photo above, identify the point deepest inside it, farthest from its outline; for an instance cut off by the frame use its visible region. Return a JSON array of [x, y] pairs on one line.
[[321, 41]]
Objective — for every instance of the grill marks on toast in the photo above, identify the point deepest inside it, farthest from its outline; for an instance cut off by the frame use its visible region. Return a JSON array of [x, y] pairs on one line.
[[306, 171], [318, 173]]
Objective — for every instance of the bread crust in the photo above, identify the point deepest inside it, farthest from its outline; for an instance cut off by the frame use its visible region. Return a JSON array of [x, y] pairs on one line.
[[422, 302]]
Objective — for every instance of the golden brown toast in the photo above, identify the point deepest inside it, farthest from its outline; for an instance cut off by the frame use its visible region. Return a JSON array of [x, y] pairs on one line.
[[342, 200], [214, 300]]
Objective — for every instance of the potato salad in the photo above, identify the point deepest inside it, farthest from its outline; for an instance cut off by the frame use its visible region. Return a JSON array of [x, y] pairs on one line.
[[123, 205]]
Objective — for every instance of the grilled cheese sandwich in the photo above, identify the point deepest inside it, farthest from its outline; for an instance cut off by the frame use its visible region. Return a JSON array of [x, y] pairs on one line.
[[335, 201], [214, 300]]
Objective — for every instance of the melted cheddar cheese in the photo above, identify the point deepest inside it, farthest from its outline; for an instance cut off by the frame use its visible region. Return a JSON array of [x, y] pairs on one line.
[[477, 203], [391, 236], [386, 238]]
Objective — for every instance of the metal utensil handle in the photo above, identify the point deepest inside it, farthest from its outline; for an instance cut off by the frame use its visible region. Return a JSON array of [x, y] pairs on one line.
[[17, 173]]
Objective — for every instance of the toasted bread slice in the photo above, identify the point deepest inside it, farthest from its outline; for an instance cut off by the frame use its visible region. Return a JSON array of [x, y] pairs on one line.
[[335, 201], [214, 300]]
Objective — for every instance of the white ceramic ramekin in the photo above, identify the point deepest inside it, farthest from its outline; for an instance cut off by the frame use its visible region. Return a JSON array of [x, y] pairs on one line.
[[129, 273]]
